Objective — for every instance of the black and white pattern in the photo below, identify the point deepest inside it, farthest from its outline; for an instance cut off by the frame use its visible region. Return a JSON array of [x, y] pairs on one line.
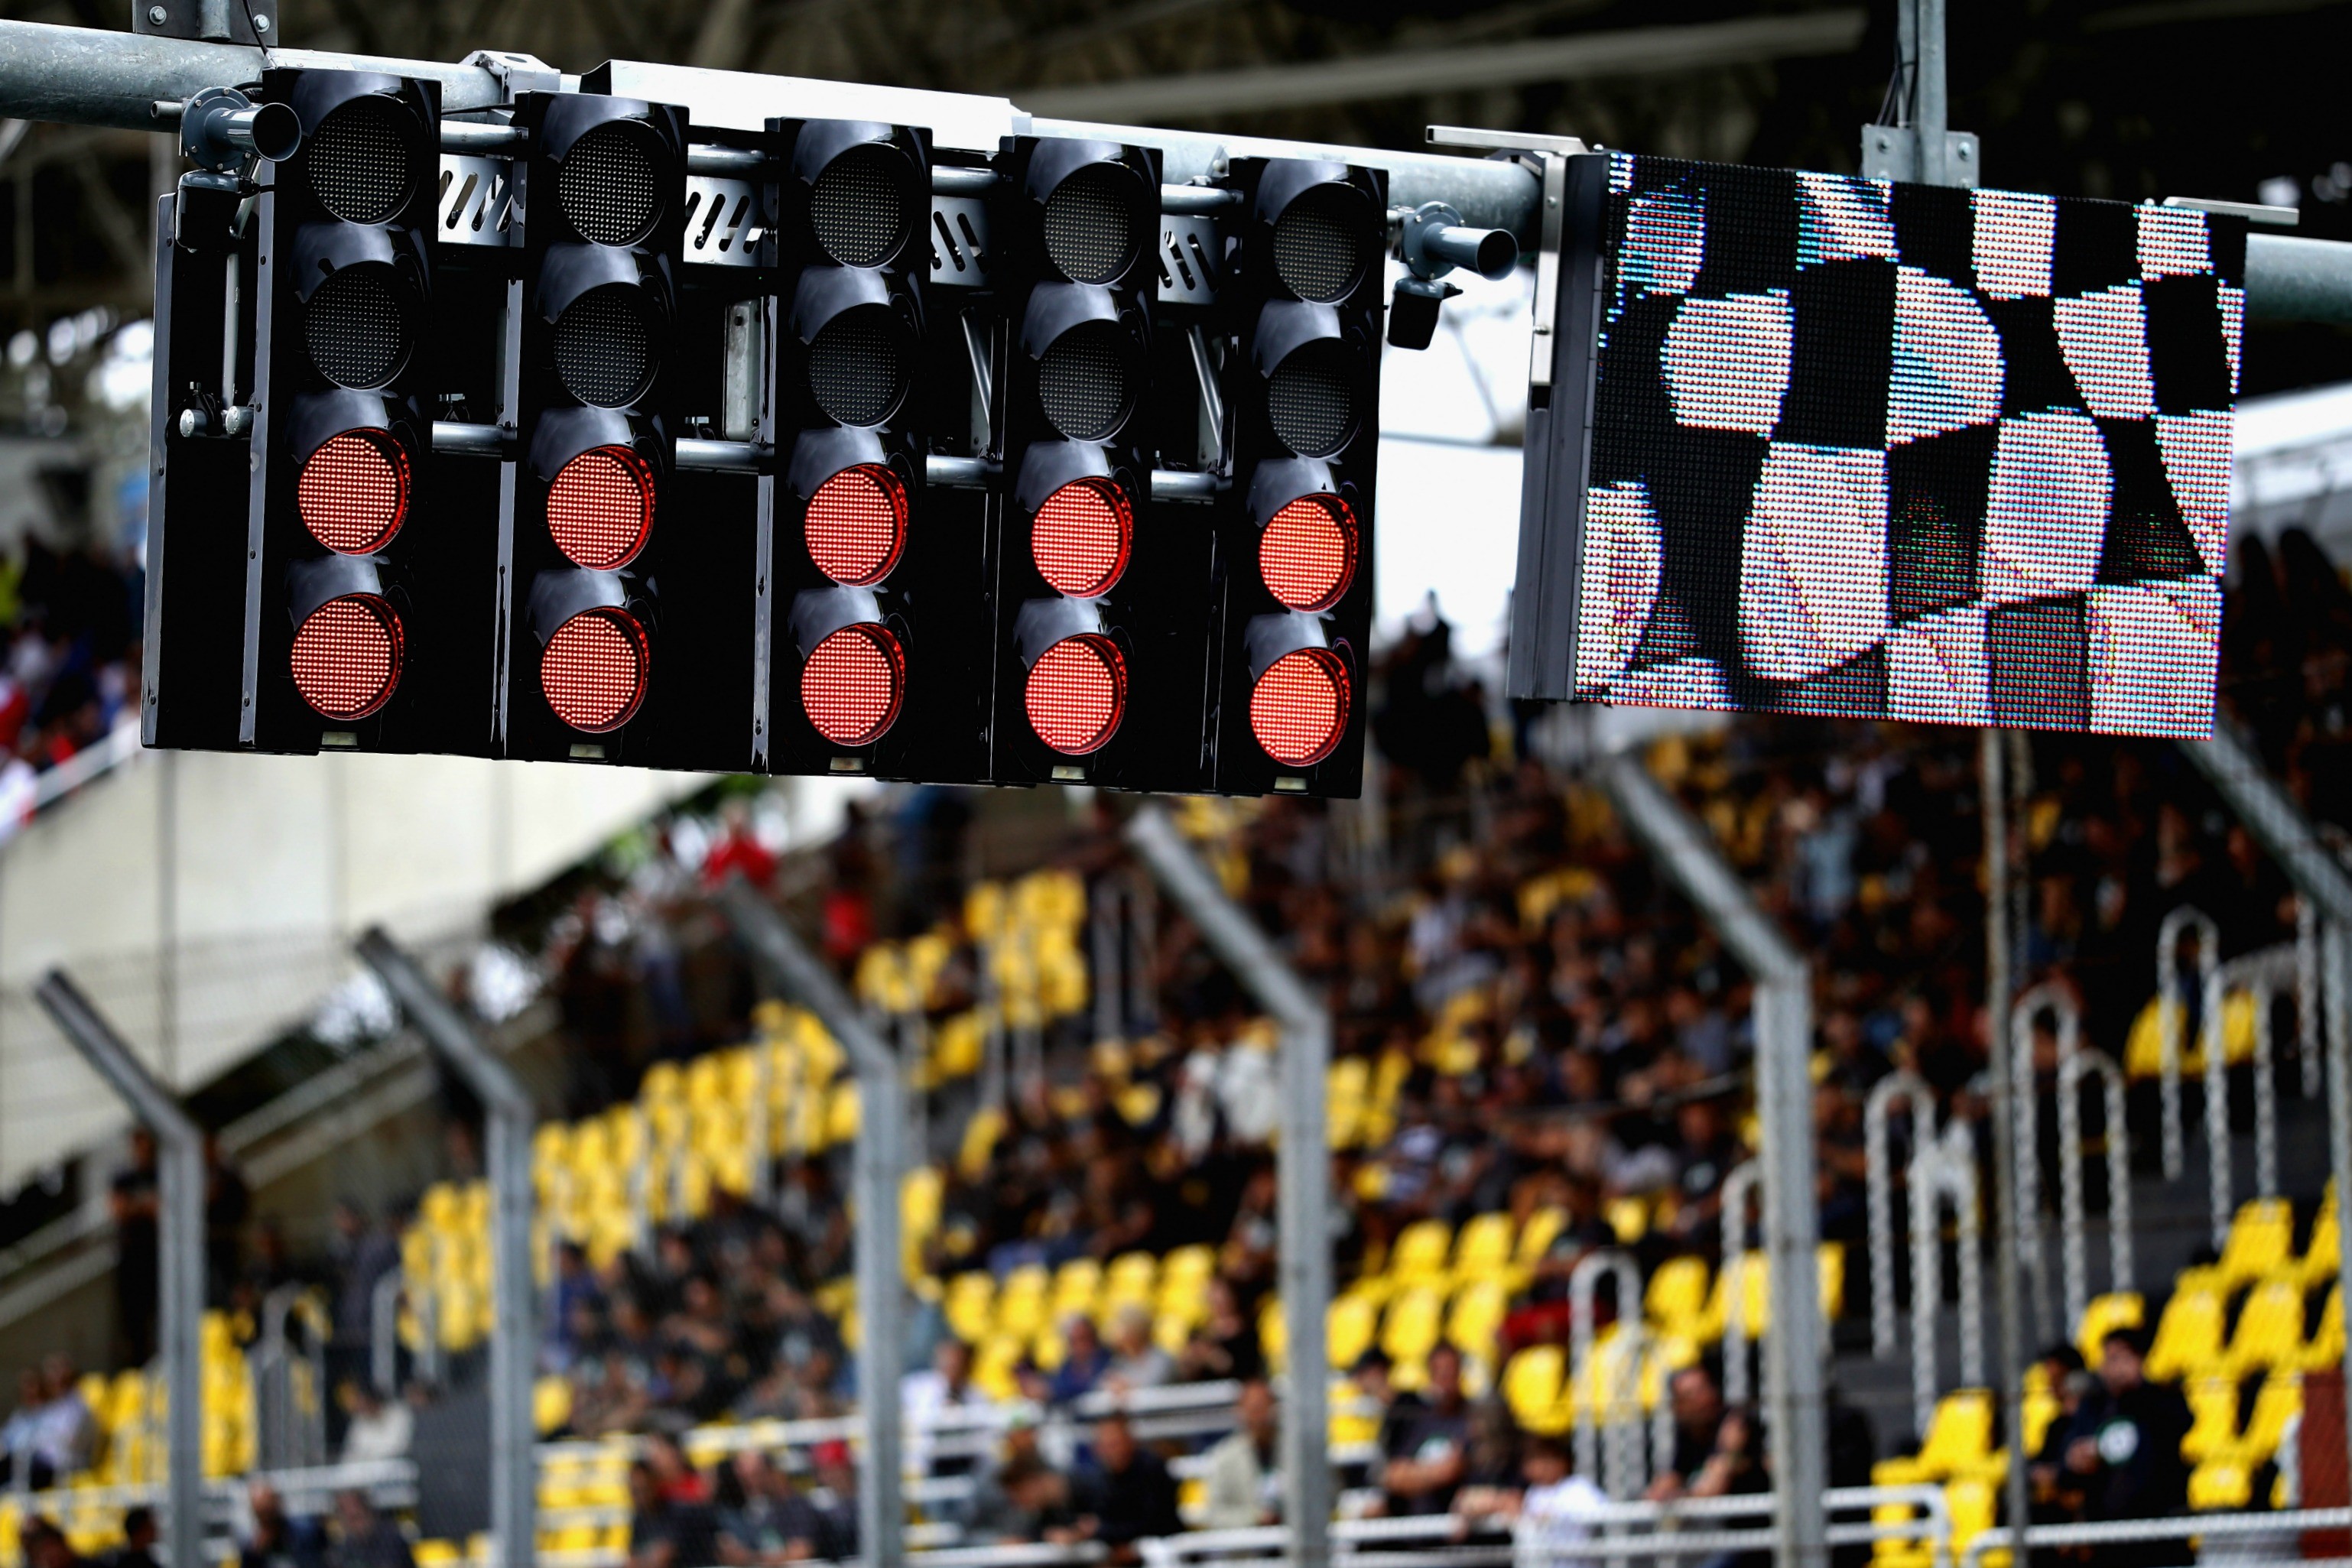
[[1898, 450]]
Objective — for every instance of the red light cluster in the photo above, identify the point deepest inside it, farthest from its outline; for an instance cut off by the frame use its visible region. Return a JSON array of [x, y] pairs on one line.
[[354, 492], [1077, 694], [856, 524], [1298, 709], [1081, 537], [853, 684], [601, 507], [347, 656], [593, 670], [1307, 553]]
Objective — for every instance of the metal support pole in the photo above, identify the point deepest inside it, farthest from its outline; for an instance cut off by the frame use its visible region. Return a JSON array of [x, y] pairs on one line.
[[1933, 101], [509, 1117], [2279, 825], [881, 1167], [2172, 1015], [1784, 1095], [1302, 1161], [179, 1243], [2001, 1043]]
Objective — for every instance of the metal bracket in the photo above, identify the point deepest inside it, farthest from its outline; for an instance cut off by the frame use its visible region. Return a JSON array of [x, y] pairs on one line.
[[723, 220], [216, 21], [477, 200], [2252, 212], [1551, 153], [515, 72], [1892, 152], [1192, 259], [960, 252]]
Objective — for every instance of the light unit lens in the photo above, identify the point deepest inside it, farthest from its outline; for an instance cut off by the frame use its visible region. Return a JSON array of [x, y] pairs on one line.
[[1089, 224], [1298, 709], [593, 670], [853, 684], [1083, 383], [347, 656], [361, 160], [354, 492], [1307, 553], [856, 524], [609, 187], [1077, 694], [601, 507], [1082, 536], [1318, 247], [856, 208], [1310, 399], [354, 328], [605, 348]]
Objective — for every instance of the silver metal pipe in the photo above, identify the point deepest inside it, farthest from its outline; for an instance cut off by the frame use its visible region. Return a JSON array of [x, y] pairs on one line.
[[737, 162], [2001, 1043], [2292, 279], [1302, 1167], [179, 1243], [1783, 1016], [1879, 1192], [1200, 200], [880, 1164], [481, 139], [2172, 1012], [950, 180], [1740, 1190], [468, 440], [717, 456], [514, 1319]]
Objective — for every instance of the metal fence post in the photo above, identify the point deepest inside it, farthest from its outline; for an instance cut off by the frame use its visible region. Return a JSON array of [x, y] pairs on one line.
[[1302, 1169], [180, 1241], [879, 1168], [1784, 1095], [514, 1319]]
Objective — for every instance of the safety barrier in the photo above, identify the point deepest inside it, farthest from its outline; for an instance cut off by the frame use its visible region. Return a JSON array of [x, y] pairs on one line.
[[290, 1395], [2172, 1012], [2026, 1146], [1944, 1168], [1908, 1086], [2286, 1524], [2075, 1062], [2265, 976], [1614, 1409]]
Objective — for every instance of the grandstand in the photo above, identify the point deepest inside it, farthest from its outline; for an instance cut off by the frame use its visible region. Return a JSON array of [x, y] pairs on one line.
[[1536, 1103]]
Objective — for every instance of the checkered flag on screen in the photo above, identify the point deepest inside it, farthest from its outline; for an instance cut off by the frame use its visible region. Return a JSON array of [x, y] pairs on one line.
[[1907, 452]]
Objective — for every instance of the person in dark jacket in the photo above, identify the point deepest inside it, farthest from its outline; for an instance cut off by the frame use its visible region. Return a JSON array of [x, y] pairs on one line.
[[1127, 1496], [2123, 1448]]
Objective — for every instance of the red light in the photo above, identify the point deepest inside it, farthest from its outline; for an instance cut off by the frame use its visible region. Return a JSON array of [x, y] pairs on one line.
[[354, 492], [601, 507], [1299, 707], [593, 670], [1307, 553], [856, 524], [853, 684], [1078, 692], [1082, 536], [347, 656]]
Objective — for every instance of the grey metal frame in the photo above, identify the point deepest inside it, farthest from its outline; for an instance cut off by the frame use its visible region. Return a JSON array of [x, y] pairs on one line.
[[509, 1117], [180, 1242], [1784, 1097], [880, 1164], [1302, 1161]]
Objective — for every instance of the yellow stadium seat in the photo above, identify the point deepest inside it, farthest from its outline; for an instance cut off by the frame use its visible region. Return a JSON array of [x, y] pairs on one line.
[[2221, 1483], [1349, 1328], [994, 1366], [1483, 1249], [1960, 1433], [1971, 1503], [2260, 1239], [2325, 1347], [2319, 1263], [1531, 1387], [1421, 1251], [1273, 1339], [2213, 1410], [1077, 1288], [2270, 1329], [1829, 1263], [2104, 1314], [1675, 1298], [1350, 1425], [2188, 1336], [1475, 1318], [1128, 1281], [2279, 1400], [1193, 1264], [968, 1304], [1629, 1218], [2041, 1408], [841, 1114], [1021, 1302], [1410, 1328]]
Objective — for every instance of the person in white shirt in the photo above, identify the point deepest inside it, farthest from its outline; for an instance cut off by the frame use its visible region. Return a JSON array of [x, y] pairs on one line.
[[1554, 1514], [378, 1430]]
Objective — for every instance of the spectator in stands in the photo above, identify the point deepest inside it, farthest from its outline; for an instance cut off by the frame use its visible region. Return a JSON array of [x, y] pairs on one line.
[[18, 1464], [2057, 1495], [1036, 1506], [1550, 1514], [132, 1201], [835, 1498], [1426, 1440], [1698, 1412], [941, 1394], [993, 1515], [359, 1254], [65, 1430], [379, 1428], [1085, 1361], [765, 1521], [366, 1539], [1136, 1363], [1128, 1495], [139, 1536], [2123, 1446], [45, 1546], [1245, 1482], [1224, 1345], [665, 1532], [276, 1540]]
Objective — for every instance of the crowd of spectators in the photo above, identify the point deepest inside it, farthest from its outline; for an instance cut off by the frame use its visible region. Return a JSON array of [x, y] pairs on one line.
[[70, 635]]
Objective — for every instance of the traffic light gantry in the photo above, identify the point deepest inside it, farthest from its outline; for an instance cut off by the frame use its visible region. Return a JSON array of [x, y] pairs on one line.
[[809, 448]]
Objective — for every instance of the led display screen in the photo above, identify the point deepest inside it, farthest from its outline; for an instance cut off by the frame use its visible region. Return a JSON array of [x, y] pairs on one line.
[[1882, 451]]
